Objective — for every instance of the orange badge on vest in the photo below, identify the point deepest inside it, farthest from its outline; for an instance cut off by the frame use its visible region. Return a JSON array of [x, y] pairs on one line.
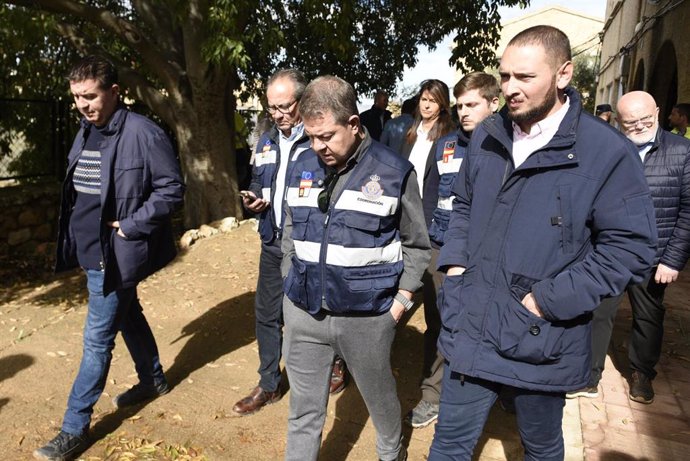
[[448, 151]]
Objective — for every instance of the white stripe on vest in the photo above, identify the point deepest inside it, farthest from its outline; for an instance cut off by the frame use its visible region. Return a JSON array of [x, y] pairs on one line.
[[445, 203], [338, 255], [453, 166], [356, 201], [298, 151], [293, 198], [265, 158], [266, 192]]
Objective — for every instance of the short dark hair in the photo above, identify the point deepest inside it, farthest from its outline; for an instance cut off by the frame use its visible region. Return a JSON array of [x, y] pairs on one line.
[[380, 94], [295, 76], [485, 83], [329, 94], [408, 106], [684, 109], [553, 40], [94, 68], [601, 108]]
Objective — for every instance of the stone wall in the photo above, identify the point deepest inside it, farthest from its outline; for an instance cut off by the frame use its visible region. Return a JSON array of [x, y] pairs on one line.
[[28, 221]]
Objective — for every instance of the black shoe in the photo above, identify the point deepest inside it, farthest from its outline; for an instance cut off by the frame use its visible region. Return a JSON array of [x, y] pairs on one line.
[[641, 388], [140, 393], [63, 447]]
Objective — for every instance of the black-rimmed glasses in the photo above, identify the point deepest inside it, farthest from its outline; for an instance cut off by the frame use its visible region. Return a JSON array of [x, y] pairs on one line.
[[282, 108], [324, 198]]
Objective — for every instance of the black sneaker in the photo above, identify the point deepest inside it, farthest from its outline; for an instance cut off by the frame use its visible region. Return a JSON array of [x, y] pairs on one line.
[[641, 388], [140, 393], [591, 392], [63, 447], [422, 415]]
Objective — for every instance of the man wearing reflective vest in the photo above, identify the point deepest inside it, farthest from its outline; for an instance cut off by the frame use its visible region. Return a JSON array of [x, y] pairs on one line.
[[354, 253], [275, 154]]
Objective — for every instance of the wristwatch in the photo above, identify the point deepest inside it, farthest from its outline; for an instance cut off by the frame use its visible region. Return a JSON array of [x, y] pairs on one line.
[[407, 303]]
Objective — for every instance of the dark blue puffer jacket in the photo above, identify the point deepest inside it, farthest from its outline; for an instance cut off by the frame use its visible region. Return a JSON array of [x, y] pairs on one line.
[[667, 168]]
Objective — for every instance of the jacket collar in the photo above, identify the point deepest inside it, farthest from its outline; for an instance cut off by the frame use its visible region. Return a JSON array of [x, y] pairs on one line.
[[464, 136], [274, 135], [114, 124], [558, 151]]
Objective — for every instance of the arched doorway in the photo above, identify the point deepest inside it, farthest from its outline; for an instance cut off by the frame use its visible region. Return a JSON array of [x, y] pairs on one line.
[[663, 84]]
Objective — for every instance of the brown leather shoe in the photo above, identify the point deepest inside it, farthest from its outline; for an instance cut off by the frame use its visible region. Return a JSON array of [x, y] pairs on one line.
[[256, 400], [338, 376]]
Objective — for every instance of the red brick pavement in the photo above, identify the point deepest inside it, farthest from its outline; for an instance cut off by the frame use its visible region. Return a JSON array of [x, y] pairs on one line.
[[616, 428]]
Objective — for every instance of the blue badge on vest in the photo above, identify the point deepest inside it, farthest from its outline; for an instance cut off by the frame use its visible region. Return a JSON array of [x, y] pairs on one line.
[[305, 183]]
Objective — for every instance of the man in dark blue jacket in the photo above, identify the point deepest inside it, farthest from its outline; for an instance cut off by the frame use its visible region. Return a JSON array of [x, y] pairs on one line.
[[551, 214], [666, 161], [394, 132], [123, 182]]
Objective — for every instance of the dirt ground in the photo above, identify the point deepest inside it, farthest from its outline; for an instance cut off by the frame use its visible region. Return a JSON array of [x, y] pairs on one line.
[[201, 311], [200, 308]]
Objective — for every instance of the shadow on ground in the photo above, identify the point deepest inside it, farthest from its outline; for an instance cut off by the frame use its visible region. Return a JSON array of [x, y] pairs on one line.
[[10, 366], [219, 331], [67, 288]]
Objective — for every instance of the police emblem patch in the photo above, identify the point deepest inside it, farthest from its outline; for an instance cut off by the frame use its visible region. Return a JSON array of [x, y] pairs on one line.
[[372, 190]]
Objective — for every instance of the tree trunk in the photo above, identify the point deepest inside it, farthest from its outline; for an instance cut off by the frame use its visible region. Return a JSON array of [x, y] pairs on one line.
[[207, 154]]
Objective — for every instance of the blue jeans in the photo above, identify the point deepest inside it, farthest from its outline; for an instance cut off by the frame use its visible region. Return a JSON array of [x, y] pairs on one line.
[[465, 405], [118, 311]]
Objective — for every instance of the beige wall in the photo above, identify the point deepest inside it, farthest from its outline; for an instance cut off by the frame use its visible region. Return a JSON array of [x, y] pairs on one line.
[[582, 30]]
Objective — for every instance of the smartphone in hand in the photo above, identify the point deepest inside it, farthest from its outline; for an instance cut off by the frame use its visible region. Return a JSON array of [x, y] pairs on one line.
[[249, 196]]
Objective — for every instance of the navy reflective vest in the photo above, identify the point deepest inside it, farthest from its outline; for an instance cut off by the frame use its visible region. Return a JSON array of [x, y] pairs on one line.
[[449, 154], [266, 161], [350, 258]]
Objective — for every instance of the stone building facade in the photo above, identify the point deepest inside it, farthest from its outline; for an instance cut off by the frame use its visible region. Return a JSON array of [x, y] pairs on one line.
[[644, 47]]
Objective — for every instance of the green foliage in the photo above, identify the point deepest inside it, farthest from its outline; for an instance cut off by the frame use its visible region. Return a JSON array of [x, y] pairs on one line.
[[182, 57], [366, 42], [585, 69]]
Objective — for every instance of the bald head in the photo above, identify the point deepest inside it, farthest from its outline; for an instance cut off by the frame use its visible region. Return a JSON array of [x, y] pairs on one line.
[[638, 116]]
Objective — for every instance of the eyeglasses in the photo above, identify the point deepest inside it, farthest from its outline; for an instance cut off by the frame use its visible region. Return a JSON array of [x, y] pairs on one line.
[[324, 198], [647, 120], [283, 108]]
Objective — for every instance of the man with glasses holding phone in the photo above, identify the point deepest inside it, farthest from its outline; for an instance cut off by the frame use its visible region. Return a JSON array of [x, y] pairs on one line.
[[354, 254], [275, 152], [666, 162]]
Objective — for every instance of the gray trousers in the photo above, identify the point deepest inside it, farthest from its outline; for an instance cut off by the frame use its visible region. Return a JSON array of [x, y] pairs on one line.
[[310, 343]]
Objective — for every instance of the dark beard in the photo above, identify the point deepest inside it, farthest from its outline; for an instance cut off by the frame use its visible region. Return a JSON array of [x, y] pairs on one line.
[[538, 113]]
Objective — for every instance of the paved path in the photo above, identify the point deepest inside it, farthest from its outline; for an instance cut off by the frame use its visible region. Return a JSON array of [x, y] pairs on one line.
[[616, 428]]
